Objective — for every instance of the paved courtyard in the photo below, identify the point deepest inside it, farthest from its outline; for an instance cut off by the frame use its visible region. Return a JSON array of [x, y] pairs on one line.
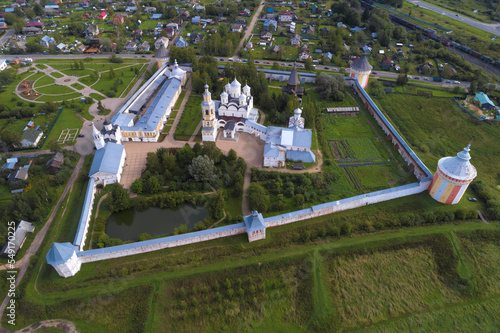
[[135, 163]]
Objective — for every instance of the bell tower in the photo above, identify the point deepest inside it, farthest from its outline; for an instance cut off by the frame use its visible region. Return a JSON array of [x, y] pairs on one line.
[[209, 131], [98, 139]]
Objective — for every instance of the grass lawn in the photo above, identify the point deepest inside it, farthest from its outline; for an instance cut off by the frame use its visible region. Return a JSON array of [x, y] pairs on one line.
[[179, 102], [437, 127], [67, 119], [57, 98], [190, 118], [105, 82], [57, 75], [77, 86], [97, 96], [56, 90], [43, 81]]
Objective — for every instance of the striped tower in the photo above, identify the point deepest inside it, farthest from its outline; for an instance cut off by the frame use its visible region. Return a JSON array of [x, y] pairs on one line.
[[452, 177], [360, 70]]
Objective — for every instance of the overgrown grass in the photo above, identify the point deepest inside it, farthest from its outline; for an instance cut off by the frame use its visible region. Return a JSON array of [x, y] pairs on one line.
[[190, 118]]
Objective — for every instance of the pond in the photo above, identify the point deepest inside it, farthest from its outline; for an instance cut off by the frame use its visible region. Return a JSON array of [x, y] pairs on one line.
[[129, 224]]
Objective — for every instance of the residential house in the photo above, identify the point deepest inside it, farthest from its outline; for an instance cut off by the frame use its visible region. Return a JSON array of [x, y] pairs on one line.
[[366, 49], [199, 8], [150, 10], [314, 9], [181, 42], [173, 25], [304, 53], [295, 40], [308, 30], [131, 9], [31, 31], [118, 19], [102, 16], [31, 137], [484, 101], [196, 38], [178, 21], [241, 20], [196, 20], [81, 48], [55, 163], [291, 27], [137, 33], [170, 32], [144, 47], [270, 25], [270, 10], [18, 240], [3, 26], [266, 35], [274, 49], [3, 64], [91, 31], [236, 28], [156, 16], [341, 25], [131, 46], [386, 62], [46, 41], [285, 17], [160, 41], [36, 24], [324, 31], [357, 29], [61, 47], [246, 12], [10, 163], [328, 55]]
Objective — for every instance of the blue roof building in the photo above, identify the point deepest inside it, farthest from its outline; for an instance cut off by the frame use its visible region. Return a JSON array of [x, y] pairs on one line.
[[108, 162], [181, 42], [484, 101], [256, 227], [62, 256]]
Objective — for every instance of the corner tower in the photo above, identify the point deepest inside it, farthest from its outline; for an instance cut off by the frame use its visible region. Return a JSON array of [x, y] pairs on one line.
[[360, 70], [209, 130], [453, 176]]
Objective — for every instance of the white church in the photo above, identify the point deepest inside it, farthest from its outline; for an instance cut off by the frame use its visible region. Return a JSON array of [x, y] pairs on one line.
[[235, 113]]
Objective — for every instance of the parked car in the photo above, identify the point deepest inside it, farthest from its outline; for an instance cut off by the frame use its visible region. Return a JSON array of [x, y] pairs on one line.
[[448, 81], [268, 62], [473, 199], [375, 73], [326, 67], [81, 135], [456, 82]]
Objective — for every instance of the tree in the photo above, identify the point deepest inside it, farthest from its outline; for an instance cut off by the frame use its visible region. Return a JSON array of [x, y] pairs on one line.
[[136, 186], [330, 88], [308, 65], [111, 73], [120, 199], [257, 198], [202, 169], [216, 205], [153, 185], [402, 80], [10, 137], [53, 145]]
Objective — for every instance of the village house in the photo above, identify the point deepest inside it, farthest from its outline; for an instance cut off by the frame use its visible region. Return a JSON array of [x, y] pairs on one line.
[[236, 28], [55, 163], [131, 46], [169, 32], [295, 40], [484, 101], [118, 19], [285, 17], [181, 42], [161, 41], [144, 47], [266, 36], [196, 38], [270, 25], [91, 31]]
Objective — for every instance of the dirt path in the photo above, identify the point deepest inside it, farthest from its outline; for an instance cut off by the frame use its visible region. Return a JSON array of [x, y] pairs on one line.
[[249, 30], [22, 265], [95, 216], [481, 216], [61, 324]]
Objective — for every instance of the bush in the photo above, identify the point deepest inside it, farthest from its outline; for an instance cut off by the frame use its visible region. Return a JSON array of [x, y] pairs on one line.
[[305, 236]]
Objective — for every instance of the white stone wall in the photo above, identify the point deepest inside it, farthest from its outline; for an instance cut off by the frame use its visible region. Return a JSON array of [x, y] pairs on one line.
[[160, 246], [70, 267], [345, 204]]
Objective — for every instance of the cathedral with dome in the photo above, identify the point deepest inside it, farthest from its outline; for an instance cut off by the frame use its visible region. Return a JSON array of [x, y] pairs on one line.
[[234, 113]]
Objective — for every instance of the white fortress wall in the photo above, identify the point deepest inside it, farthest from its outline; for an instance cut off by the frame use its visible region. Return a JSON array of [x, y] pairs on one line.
[[161, 243]]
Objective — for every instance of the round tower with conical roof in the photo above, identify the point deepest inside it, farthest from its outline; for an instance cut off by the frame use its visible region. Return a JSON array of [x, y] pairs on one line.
[[360, 70], [453, 176]]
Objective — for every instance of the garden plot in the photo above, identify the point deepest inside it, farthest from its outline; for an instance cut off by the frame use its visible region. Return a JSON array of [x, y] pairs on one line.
[[68, 135]]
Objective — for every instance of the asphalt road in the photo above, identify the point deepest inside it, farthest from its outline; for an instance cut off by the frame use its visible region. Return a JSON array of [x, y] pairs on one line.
[[6, 36], [491, 28]]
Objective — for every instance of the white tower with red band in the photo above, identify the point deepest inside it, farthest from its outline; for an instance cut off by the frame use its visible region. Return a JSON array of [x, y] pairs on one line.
[[360, 70], [453, 176]]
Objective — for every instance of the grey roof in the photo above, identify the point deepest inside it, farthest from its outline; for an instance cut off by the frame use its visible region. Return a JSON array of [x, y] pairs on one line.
[[59, 253], [162, 52], [362, 64], [31, 135], [254, 222], [229, 125], [19, 235], [293, 79], [107, 159]]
